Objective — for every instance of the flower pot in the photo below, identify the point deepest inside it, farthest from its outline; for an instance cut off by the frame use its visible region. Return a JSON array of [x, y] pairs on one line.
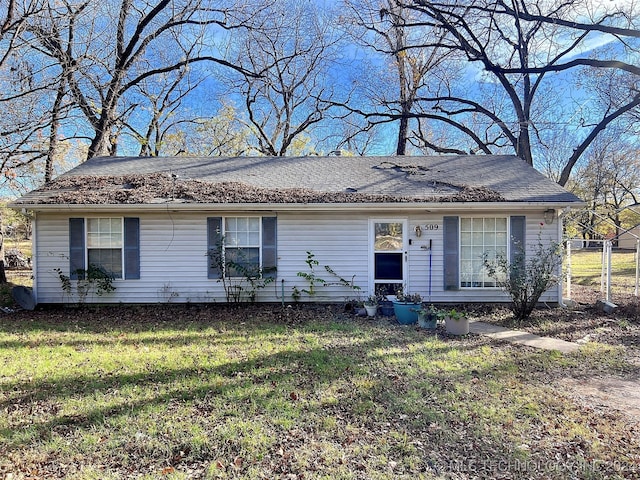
[[428, 320], [371, 310], [386, 308], [456, 326], [406, 313]]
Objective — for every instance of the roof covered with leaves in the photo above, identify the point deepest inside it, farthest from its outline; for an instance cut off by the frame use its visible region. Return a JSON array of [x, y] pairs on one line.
[[313, 179]]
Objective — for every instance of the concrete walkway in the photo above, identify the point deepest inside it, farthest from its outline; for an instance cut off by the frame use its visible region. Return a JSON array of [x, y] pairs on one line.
[[522, 338]]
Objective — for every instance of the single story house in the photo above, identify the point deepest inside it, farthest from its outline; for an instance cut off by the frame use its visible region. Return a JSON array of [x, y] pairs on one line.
[[275, 229]]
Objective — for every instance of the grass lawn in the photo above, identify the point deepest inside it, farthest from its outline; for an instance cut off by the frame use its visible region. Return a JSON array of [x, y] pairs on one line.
[[586, 268], [269, 392]]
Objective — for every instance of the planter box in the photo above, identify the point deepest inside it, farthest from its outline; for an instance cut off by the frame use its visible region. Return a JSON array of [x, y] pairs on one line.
[[406, 313], [457, 327], [371, 310]]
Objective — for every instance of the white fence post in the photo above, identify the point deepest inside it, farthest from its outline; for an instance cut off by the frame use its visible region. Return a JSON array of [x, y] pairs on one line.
[[569, 269], [603, 271], [608, 293], [637, 265]]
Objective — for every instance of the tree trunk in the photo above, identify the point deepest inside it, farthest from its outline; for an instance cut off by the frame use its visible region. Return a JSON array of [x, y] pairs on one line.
[[53, 134], [102, 144], [523, 149], [403, 133]]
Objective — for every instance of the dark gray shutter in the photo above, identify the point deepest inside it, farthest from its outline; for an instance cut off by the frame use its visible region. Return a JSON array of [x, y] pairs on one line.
[[269, 247], [76, 248], [518, 233], [450, 226], [214, 236], [131, 248]]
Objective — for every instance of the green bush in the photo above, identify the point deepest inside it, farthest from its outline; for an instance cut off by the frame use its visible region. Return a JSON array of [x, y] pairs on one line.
[[526, 279], [94, 279]]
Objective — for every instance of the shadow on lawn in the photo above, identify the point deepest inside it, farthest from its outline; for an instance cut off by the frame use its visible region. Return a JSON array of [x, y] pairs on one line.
[[189, 321], [307, 369], [94, 382], [451, 394]]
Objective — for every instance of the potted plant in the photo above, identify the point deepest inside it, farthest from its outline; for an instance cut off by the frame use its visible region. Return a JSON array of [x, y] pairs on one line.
[[427, 317], [371, 305], [455, 322], [385, 306], [406, 306]]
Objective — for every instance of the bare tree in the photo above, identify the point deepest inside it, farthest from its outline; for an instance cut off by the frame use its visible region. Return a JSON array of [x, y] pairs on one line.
[[220, 135], [104, 65], [289, 51], [14, 16], [517, 46], [608, 181], [163, 108], [384, 26], [26, 84], [17, 97]]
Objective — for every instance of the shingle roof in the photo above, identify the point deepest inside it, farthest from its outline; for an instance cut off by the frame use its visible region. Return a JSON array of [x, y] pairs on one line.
[[418, 178]]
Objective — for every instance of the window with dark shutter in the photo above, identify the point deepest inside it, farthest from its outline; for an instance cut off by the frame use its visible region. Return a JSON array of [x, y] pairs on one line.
[[214, 247], [131, 248], [450, 226], [112, 244], [76, 248], [237, 245]]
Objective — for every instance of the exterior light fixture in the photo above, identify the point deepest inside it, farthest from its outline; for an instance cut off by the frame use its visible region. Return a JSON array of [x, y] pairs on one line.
[[549, 215]]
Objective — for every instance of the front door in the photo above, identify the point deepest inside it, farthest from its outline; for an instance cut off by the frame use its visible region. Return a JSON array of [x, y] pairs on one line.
[[389, 255]]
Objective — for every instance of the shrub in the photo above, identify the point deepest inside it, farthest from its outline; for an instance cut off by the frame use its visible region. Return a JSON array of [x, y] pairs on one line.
[[94, 279], [241, 279], [526, 279]]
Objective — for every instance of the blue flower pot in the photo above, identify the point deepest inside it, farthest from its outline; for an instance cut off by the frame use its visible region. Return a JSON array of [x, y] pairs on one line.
[[406, 313]]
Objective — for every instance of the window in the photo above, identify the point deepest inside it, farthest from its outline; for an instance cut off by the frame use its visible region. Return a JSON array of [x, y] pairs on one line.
[[111, 243], [479, 237], [241, 245], [104, 244]]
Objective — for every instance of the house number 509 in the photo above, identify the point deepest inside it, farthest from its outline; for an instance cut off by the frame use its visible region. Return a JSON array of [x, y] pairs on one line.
[[431, 226]]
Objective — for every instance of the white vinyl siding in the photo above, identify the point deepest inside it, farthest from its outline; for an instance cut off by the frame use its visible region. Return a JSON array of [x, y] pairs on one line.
[[338, 241], [173, 257]]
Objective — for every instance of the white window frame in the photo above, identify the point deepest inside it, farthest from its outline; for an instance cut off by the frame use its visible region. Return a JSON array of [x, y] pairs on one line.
[[87, 220], [460, 247], [224, 243]]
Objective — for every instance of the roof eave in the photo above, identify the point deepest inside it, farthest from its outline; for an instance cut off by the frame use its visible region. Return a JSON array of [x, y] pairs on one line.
[[298, 207]]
